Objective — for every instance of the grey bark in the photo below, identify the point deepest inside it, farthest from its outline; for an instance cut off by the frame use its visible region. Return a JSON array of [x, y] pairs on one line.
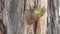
[[13, 16], [52, 17]]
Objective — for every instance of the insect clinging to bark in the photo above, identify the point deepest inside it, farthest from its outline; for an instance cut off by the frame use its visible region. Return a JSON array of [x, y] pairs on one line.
[[38, 13]]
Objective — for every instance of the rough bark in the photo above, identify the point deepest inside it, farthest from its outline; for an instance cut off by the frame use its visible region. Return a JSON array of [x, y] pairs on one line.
[[28, 16], [17, 17], [42, 21], [13, 16]]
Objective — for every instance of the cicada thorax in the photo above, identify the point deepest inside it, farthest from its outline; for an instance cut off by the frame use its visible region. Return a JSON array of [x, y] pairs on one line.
[[38, 13]]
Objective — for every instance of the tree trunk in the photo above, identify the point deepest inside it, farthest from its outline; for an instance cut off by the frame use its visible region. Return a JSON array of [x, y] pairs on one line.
[[42, 21], [13, 16], [17, 17]]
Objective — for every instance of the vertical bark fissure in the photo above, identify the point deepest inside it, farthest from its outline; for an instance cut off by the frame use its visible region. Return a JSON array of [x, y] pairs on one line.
[[13, 17], [35, 28], [36, 23], [2, 26], [51, 11]]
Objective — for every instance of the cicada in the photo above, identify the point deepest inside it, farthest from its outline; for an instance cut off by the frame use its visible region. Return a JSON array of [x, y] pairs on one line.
[[38, 13]]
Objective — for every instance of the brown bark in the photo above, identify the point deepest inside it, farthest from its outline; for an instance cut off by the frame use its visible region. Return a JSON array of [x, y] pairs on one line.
[[28, 16], [20, 21], [42, 21]]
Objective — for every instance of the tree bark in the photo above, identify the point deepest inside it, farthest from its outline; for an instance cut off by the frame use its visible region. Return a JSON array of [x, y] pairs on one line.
[[17, 17], [13, 16], [42, 21]]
